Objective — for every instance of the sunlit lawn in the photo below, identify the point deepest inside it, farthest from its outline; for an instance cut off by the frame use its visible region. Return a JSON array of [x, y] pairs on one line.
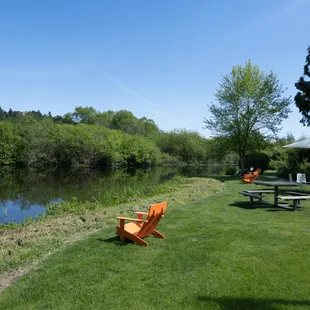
[[218, 254]]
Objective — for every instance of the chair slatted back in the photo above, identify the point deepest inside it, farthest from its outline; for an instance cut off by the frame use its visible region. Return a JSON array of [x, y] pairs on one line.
[[155, 214]]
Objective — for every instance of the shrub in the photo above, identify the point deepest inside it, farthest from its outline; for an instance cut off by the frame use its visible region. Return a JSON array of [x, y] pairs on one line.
[[257, 160]]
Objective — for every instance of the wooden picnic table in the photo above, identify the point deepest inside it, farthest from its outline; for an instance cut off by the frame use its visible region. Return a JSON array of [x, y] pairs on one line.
[[276, 185]]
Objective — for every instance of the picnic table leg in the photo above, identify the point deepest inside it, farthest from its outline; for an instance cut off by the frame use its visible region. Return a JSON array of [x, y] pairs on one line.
[[295, 205], [251, 201], [276, 196]]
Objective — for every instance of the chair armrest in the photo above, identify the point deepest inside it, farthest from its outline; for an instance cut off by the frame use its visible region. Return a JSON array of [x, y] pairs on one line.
[[123, 219], [140, 214], [143, 213], [129, 219]]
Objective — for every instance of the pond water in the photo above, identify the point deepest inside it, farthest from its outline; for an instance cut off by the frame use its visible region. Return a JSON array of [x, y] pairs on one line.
[[25, 193]]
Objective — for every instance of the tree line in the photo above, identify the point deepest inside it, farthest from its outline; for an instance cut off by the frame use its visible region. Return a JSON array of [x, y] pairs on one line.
[[93, 138]]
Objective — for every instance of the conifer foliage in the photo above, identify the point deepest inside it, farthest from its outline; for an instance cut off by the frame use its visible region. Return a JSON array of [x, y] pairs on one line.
[[302, 98]]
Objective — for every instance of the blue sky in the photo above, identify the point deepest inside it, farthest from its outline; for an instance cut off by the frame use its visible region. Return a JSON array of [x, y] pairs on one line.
[[162, 59]]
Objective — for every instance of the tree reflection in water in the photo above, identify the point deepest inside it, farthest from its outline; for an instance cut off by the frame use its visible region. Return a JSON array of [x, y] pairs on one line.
[[25, 193]]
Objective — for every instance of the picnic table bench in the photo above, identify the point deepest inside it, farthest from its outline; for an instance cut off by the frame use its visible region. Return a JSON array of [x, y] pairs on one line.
[[252, 196], [298, 193], [296, 199], [256, 193]]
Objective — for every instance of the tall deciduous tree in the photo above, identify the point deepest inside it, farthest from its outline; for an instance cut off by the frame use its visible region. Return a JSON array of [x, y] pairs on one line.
[[250, 108], [302, 98]]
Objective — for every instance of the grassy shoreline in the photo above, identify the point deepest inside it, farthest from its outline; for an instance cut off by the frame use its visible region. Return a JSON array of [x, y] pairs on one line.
[[24, 246]]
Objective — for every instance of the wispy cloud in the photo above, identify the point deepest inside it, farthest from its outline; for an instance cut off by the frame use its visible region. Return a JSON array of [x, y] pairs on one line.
[[272, 17], [126, 88], [164, 120], [14, 27]]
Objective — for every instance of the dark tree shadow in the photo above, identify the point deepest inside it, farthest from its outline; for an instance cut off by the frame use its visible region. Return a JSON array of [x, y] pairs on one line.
[[246, 205], [231, 303], [263, 205], [277, 210]]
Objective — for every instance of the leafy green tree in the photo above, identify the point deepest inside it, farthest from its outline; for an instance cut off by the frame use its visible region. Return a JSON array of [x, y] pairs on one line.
[[57, 119], [85, 115], [10, 144], [284, 140], [66, 119], [148, 127], [3, 114], [249, 109], [138, 151], [14, 115], [105, 118], [125, 121], [37, 147], [290, 161], [302, 98], [185, 145], [35, 114]]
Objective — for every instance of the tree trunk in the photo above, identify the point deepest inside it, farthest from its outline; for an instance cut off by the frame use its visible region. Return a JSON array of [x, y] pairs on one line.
[[242, 162]]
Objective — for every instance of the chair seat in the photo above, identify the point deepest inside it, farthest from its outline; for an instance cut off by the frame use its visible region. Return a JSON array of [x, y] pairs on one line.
[[132, 228]]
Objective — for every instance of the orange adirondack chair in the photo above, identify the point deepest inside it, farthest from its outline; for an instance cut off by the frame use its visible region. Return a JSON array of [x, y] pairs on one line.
[[139, 228], [250, 178]]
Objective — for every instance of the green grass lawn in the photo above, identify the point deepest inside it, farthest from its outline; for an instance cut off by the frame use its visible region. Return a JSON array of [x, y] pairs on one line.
[[217, 254]]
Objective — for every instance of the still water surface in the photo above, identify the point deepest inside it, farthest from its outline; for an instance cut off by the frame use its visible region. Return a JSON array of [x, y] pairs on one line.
[[25, 193]]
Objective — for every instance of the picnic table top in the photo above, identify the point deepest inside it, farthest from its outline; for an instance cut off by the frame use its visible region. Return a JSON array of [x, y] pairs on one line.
[[275, 183], [259, 191]]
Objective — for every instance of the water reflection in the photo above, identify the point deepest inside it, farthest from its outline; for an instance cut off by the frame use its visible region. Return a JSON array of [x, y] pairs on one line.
[[204, 171], [10, 211], [25, 193]]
